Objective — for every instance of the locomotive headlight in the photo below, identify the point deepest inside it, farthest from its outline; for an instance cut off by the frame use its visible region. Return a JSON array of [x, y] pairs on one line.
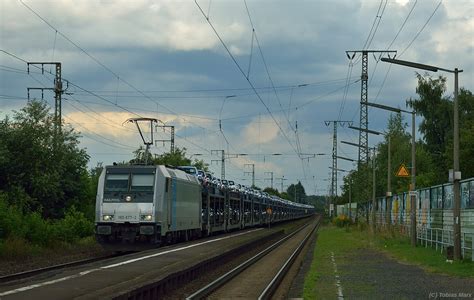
[[146, 217], [107, 217], [128, 198]]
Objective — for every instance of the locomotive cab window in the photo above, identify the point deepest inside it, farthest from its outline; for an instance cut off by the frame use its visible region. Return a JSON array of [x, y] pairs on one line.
[[116, 183], [142, 183]]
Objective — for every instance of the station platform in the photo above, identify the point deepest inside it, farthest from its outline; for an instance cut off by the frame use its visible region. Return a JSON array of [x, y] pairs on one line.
[[116, 277]]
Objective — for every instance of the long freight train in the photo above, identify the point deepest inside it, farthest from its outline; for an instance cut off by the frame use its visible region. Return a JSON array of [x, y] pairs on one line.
[[142, 206]]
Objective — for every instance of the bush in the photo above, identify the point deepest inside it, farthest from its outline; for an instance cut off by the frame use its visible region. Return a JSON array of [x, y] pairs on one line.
[[73, 227], [14, 248], [342, 221], [39, 231], [11, 220], [18, 229]]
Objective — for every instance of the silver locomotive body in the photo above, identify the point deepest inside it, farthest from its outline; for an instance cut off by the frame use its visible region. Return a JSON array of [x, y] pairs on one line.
[[141, 206]]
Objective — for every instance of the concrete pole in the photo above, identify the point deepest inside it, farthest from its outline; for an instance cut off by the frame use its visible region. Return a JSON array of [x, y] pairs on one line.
[[222, 164], [413, 182], [373, 193], [456, 192], [388, 200], [350, 197], [253, 175]]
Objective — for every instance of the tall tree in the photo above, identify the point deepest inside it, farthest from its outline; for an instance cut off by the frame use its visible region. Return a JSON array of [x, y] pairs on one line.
[[319, 202], [436, 126], [41, 170], [296, 193], [466, 135], [141, 156], [201, 165], [271, 191]]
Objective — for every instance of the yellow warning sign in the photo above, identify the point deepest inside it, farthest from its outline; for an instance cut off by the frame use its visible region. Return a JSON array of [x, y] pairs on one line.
[[403, 171]]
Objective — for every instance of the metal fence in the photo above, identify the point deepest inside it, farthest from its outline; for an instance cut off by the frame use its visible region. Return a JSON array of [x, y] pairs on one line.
[[439, 238], [442, 238], [434, 215]]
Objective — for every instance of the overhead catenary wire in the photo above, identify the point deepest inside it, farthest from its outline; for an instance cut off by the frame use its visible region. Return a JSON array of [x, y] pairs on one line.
[[215, 90], [112, 103], [102, 98], [109, 123], [98, 61], [409, 44], [265, 63], [294, 128], [346, 90], [90, 134], [296, 106], [421, 29], [89, 130], [243, 73], [390, 45], [377, 21], [373, 29]]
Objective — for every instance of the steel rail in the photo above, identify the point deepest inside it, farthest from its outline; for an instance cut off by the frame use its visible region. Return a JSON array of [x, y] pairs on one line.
[[206, 290], [273, 285]]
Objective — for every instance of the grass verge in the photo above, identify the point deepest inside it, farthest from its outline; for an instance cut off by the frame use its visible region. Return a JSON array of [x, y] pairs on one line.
[[399, 248]]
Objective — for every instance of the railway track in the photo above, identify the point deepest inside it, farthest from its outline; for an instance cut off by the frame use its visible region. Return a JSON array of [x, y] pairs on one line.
[[259, 276], [30, 273]]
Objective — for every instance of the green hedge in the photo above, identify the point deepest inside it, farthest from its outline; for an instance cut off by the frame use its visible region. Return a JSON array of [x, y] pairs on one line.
[[31, 227]]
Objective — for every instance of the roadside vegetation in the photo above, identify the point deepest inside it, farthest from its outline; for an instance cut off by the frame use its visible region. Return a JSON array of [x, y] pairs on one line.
[[46, 192]]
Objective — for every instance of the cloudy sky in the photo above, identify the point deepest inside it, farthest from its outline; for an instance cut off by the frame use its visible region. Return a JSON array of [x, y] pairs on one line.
[[260, 78]]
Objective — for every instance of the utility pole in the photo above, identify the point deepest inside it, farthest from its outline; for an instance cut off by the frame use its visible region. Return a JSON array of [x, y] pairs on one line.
[[282, 178], [388, 204], [364, 119], [373, 193], [350, 198], [413, 169], [294, 192], [271, 178], [456, 174], [413, 182], [171, 140], [333, 190], [253, 173], [222, 160], [373, 169], [58, 90]]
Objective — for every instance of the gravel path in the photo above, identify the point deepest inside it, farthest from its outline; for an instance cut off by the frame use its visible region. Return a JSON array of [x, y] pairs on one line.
[[368, 274]]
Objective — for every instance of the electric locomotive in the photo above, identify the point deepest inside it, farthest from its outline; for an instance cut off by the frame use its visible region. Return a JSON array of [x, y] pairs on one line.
[[146, 205]]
